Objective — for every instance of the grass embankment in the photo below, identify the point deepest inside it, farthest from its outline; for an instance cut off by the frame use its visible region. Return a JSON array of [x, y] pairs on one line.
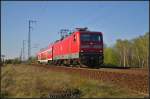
[[30, 81]]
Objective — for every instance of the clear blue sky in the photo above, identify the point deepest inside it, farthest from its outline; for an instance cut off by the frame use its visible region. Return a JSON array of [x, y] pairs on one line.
[[124, 20]]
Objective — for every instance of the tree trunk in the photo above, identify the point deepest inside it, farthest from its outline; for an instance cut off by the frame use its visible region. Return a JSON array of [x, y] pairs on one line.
[[147, 60], [120, 59], [139, 61], [124, 60], [143, 63]]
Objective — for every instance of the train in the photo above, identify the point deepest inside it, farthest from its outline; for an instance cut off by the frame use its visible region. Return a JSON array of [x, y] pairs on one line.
[[80, 47]]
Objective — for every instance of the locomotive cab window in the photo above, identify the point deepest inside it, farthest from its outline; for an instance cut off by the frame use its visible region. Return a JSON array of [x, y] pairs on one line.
[[91, 37]]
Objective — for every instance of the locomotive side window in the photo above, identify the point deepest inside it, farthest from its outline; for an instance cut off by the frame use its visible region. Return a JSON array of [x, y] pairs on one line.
[[49, 52], [74, 38]]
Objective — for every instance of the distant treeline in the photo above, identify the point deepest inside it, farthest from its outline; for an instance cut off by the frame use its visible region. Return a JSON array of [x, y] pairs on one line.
[[128, 53], [19, 61]]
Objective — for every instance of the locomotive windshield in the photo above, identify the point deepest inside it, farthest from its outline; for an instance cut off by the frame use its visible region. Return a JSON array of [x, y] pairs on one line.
[[90, 37]]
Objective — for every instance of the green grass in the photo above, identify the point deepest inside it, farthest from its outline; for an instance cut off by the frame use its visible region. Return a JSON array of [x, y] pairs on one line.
[[35, 82]]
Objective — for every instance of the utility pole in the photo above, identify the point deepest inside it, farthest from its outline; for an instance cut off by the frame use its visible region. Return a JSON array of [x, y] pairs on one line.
[[2, 61], [23, 51], [20, 58], [29, 38]]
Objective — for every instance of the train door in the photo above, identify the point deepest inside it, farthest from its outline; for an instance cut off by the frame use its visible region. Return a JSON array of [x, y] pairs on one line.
[[52, 53]]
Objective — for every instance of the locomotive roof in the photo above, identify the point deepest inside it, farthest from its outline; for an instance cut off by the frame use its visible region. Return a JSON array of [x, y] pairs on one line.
[[43, 49], [81, 31]]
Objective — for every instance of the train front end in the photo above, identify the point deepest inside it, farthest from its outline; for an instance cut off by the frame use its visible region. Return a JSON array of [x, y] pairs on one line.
[[91, 48]]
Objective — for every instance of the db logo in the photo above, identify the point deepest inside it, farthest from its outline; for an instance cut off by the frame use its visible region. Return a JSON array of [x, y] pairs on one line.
[[91, 43]]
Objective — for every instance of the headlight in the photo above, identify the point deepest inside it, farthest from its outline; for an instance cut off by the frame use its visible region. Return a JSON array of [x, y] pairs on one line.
[[82, 51], [100, 51]]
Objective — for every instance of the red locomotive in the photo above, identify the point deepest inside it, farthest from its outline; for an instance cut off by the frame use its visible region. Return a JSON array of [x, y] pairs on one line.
[[80, 47]]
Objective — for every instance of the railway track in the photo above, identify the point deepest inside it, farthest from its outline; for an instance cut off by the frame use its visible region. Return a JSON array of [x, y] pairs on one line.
[[137, 80]]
